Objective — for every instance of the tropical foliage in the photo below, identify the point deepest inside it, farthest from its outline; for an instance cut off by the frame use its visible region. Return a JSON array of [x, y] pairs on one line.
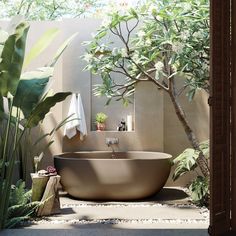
[[186, 162], [20, 205], [165, 42], [24, 103]]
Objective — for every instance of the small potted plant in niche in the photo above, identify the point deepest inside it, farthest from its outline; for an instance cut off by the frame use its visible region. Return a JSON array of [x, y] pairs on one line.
[[100, 121]]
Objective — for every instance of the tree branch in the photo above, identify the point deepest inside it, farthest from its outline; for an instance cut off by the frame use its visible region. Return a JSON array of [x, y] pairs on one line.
[[149, 76], [20, 7], [177, 27], [130, 30]]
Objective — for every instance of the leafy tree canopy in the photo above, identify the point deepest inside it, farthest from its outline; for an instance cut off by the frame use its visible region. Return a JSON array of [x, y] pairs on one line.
[[57, 9], [162, 41]]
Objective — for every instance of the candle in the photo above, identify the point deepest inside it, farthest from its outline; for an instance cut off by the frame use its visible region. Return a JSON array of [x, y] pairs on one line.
[[129, 123]]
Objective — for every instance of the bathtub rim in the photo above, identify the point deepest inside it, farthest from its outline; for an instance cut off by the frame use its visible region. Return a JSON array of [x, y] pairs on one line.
[[165, 156]]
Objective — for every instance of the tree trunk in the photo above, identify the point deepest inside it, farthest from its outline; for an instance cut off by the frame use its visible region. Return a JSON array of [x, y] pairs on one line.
[[201, 161]]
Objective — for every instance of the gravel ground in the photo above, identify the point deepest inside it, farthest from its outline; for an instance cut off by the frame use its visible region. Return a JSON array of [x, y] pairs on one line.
[[171, 206]]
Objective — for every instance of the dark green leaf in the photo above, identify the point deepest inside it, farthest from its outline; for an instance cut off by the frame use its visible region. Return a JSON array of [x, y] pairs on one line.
[[29, 93], [199, 189], [38, 114]]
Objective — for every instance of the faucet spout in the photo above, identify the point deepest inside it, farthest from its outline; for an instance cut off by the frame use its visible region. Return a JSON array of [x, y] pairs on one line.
[[110, 142], [112, 149]]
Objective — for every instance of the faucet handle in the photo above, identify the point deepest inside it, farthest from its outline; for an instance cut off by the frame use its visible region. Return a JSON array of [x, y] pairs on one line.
[[110, 141]]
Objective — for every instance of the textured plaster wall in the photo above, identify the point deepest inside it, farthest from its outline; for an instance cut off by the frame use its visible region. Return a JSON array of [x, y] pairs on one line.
[[55, 116], [156, 125]]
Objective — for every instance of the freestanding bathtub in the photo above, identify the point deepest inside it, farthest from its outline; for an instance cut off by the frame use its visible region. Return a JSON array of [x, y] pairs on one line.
[[96, 176]]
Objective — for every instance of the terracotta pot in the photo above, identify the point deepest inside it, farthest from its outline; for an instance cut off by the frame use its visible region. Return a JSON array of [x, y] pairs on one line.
[[101, 126]]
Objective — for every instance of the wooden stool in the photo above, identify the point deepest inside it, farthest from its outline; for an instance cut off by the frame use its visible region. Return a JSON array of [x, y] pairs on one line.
[[45, 189]]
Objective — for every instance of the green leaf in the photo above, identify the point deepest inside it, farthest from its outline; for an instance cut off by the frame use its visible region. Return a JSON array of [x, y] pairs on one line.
[[29, 93], [205, 148], [41, 138], [12, 60], [125, 102], [108, 101], [62, 48], [44, 41], [63, 122], [191, 93], [199, 189], [20, 212], [31, 89], [101, 34], [38, 114], [185, 162], [17, 194], [133, 13], [48, 145]]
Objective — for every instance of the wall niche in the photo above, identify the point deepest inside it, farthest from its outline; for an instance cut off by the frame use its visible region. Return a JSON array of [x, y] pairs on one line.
[[115, 111]]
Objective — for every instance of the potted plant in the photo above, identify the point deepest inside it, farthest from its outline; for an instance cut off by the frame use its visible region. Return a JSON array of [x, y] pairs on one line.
[[100, 121]]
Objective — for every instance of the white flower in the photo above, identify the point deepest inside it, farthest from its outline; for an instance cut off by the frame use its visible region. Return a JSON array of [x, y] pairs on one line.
[[205, 66], [37, 159], [114, 51], [174, 68], [135, 57], [148, 42], [186, 6], [185, 35], [124, 52], [159, 66], [88, 57], [141, 34], [152, 8], [178, 47], [197, 34]]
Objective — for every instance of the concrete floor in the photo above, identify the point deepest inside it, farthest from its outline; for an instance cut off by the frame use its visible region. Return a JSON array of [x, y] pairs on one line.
[[167, 213]]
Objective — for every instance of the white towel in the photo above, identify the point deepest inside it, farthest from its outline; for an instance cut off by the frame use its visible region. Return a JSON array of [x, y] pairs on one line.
[[5, 105], [76, 108]]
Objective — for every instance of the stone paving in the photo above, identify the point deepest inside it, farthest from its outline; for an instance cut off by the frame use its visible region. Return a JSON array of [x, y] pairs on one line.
[[168, 213]]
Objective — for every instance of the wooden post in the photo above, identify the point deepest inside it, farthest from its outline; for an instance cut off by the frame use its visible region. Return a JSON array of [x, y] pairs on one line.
[[220, 120]]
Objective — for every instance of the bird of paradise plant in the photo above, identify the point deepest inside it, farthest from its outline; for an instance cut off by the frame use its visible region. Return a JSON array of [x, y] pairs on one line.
[[24, 102]]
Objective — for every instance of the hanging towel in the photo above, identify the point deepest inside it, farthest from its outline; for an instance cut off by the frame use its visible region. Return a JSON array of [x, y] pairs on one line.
[[76, 108], [5, 105]]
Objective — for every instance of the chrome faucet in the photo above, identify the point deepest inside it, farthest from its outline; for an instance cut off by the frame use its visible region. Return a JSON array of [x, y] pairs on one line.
[[110, 142]]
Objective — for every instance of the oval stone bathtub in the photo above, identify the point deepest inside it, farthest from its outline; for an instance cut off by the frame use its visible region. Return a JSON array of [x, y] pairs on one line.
[[96, 176]]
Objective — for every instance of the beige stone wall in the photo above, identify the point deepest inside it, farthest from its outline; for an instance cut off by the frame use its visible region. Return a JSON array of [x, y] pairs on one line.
[[156, 125]]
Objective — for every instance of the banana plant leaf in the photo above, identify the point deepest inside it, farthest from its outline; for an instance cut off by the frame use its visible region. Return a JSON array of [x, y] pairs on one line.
[[44, 41], [12, 60], [61, 49], [31, 89], [38, 114]]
